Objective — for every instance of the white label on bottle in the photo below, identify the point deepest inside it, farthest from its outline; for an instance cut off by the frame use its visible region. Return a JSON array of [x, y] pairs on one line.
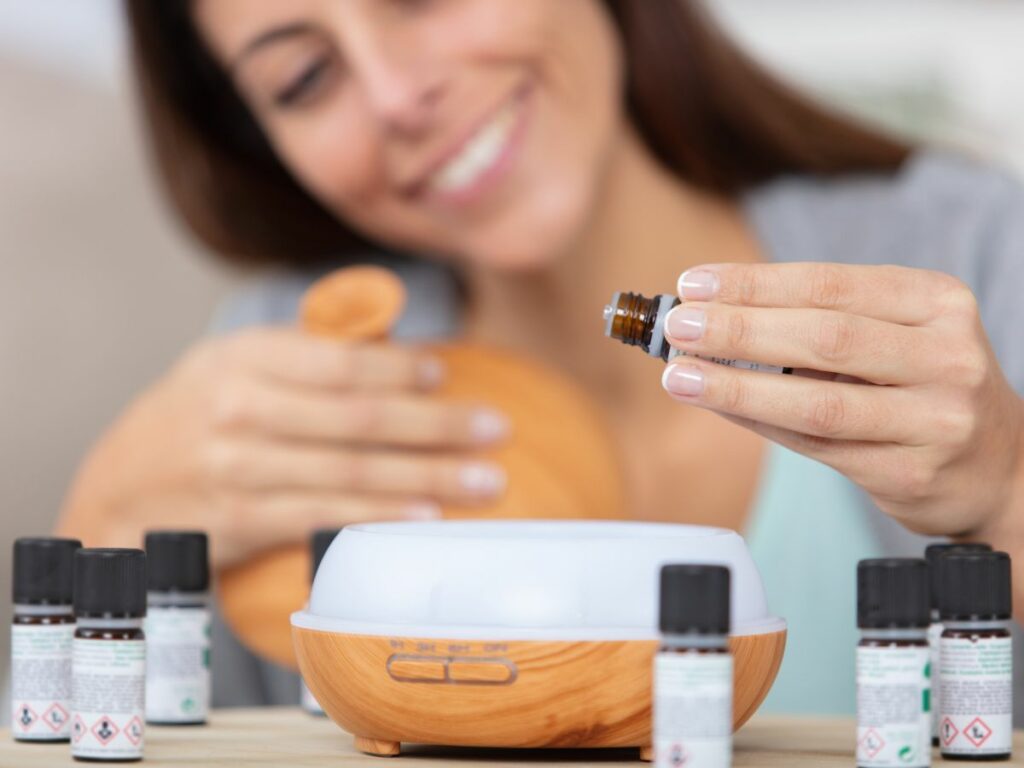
[[977, 696], [41, 681], [177, 665], [744, 365], [893, 707], [309, 702], [108, 690], [934, 633], [692, 710]]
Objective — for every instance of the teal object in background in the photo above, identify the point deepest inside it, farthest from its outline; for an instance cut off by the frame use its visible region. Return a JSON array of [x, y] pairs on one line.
[[807, 533]]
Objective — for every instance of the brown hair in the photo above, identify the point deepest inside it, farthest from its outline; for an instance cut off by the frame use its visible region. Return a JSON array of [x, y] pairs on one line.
[[708, 112]]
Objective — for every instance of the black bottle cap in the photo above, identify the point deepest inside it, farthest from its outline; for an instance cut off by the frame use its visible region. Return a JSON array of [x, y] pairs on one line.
[[44, 571], [975, 586], [892, 593], [177, 561], [694, 600], [933, 553], [318, 544], [110, 582]]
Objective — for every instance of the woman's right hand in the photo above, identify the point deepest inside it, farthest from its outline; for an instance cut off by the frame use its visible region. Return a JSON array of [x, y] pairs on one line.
[[265, 435]]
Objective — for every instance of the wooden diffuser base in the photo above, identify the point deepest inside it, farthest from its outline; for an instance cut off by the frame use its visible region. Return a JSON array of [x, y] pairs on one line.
[[584, 694]]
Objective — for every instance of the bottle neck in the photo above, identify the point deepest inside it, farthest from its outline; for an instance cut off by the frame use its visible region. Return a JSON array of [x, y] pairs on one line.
[[173, 599], [895, 634], [693, 640], [23, 609], [985, 624], [100, 622]]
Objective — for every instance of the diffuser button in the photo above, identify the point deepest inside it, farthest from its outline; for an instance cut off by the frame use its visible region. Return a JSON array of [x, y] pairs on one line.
[[494, 672], [417, 670]]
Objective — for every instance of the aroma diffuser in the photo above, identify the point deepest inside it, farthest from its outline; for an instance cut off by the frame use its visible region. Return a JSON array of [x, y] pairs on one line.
[[512, 633], [560, 461]]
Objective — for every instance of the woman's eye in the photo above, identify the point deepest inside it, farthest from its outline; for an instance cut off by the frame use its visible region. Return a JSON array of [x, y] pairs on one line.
[[305, 85]]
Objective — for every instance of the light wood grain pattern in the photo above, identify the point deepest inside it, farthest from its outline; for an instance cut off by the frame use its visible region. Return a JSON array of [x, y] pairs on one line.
[[289, 737], [561, 462], [563, 694]]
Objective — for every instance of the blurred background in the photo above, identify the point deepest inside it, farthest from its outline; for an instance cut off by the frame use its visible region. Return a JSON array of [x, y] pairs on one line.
[[100, 289]]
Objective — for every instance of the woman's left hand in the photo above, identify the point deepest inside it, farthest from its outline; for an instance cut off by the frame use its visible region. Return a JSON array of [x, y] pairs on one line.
[[897, 386]]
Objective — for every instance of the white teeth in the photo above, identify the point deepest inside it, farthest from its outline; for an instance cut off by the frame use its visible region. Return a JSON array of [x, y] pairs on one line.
[[478, 155]]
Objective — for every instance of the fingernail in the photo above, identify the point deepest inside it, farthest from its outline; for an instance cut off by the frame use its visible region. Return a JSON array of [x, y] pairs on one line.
[[488, 426], [482, 478], [686, 323], [683, 380], [424, 510], [698, 285], [430, 373]]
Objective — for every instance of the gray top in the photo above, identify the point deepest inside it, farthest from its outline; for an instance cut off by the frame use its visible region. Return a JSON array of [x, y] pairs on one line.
[[939, 212]]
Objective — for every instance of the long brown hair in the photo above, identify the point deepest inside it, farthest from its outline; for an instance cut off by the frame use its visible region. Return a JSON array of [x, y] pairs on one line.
[[708, 112]]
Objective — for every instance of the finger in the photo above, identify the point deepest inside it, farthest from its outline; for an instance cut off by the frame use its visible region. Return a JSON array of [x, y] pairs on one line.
[[834, 410], [392, 420], [888, 293], [289, 356], [816, 339], [279, 467]]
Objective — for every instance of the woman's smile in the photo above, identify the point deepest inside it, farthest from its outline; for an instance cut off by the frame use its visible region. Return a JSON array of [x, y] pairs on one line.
[[465, 174]]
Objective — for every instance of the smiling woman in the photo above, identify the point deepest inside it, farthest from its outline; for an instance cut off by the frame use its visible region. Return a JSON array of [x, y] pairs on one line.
[[527, 160]]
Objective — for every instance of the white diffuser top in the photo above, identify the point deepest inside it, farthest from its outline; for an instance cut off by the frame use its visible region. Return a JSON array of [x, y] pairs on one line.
[[519, 580]]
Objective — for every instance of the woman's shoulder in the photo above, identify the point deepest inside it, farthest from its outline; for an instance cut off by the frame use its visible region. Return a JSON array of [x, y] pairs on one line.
[[941, 210], [432, 310]]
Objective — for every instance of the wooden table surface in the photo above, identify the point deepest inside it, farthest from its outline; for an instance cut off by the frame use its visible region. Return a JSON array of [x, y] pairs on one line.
[[289, 737]]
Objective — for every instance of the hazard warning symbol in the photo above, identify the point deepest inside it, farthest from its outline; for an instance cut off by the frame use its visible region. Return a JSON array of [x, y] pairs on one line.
[[949, 732], [104, 730], [26, 717], [55, 716], [77, 729], [134, 731], [977, 732], [678, 756], [872, 743]]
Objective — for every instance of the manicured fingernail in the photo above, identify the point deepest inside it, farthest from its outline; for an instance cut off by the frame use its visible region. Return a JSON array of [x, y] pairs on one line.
[[488, 426], [683, 380], [686, 323], [482, 478], [430, 373], [424, 510], [698, 285]]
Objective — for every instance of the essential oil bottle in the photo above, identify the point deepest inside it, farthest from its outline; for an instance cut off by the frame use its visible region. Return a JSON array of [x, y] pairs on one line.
[[975, 656], [693, 670], [318, 544], [177, 628], [41, 635], [932, 554], [893, 660], [108, 669], [639, 321]]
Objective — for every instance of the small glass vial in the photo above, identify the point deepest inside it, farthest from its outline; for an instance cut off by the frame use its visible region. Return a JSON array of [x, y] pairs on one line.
[[177, 628], [639, 321], [932, 554], [975, 656], [41, 636], [108, 668], [319, 542], [693, 671], [893, 660]]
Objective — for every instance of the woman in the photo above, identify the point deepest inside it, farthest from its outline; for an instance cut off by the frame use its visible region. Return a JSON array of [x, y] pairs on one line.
[[536, 157]]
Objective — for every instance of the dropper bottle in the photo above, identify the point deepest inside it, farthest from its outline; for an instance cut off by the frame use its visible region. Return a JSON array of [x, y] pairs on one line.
[[639, 321]]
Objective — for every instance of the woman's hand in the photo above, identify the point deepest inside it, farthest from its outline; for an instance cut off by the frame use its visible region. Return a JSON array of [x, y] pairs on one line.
[[263, 436], [900, 390]]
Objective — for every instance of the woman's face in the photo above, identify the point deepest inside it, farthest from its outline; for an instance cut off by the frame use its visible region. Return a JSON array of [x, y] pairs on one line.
[[477, 129]]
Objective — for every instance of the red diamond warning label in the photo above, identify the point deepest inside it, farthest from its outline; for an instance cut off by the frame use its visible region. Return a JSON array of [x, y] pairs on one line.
[[77, 729], [55, 716], [134, 731], [678, 756], [104, 730], [872, 742], [949, 732], [26, 717], [977, 732]]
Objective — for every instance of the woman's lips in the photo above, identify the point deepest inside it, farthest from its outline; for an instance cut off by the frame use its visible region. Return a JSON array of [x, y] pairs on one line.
[[482, 158]]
